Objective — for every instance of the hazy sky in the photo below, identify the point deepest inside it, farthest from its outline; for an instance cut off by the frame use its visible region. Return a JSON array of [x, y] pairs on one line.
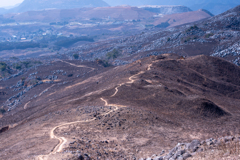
[[4, 3]]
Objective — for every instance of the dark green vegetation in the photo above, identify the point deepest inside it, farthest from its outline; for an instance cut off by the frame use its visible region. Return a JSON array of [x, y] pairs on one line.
[[113, 54], [70, 75], [3, 66], [76, 56], [2, 111], [163, 25], [209, 35], [4, 69], [192, 28], [25, 64], [187, 39], [18, 45], [67, 42], [55, 42], [104, 63]]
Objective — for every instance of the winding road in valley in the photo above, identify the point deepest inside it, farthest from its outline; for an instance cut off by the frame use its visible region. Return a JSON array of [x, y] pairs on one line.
[[62, 140]]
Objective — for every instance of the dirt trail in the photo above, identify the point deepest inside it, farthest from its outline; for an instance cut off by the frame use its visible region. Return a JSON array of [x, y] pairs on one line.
[[79, 66], [46, 90], [63, 141], [131, 81], [26, 105]]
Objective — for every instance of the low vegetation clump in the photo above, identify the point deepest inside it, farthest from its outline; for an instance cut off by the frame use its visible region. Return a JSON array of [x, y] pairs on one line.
[[189, 39], [209, 35], [2, 111], [18, 45], [113, 54], [149, 25], [25, 64], [70, 75], [67, 42], [14, 58], [4, 69], [76, 56], [17, 66], [104, 63], [192, 28], [3, 66], [163, 25]]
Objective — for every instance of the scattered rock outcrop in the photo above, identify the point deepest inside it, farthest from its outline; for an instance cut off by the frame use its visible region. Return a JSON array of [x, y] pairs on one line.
[[183, 151]]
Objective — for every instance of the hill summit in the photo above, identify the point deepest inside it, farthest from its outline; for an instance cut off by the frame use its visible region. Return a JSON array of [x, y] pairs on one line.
[[27, 5]]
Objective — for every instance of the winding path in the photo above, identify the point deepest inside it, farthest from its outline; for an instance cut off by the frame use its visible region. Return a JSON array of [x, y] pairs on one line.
[[63, 141], [79, 66], [26, 105]]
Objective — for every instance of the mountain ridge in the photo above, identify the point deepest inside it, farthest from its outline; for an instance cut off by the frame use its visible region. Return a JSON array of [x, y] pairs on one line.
[[220, 6], [29, 5]]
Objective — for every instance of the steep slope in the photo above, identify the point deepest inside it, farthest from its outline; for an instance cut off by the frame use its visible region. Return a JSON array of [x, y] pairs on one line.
[[121, 112], [28, 5]]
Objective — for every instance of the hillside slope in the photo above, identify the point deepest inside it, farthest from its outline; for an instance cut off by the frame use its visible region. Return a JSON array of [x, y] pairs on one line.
[[130, 111], [209, 37], [117, 13], [181, 18]]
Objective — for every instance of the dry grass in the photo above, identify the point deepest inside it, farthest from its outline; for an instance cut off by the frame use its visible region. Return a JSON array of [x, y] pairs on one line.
[[224, 151]]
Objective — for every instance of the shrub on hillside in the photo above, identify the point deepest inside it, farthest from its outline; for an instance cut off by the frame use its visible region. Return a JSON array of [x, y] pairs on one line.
[[209, 35], [26, 64], [18, 45], [3, 66], [70, 75], [163, 25], [192, 28], [104, 63], [2, 111], [113, 54], [18, 66], [76, 56]]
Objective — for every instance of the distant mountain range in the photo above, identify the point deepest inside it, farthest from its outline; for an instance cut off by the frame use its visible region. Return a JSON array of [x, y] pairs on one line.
[[214, 6], [29, 5], [165, 9]]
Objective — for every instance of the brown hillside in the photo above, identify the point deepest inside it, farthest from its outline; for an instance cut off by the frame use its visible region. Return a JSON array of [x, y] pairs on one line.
[[132, 111], [119, 13], [182, 18]]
